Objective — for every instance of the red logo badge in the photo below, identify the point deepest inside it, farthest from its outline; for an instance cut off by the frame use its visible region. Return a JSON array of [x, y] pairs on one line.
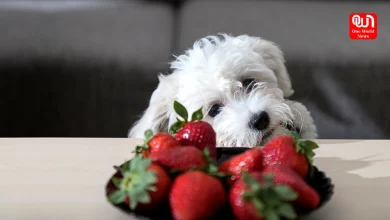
[[363, 26]]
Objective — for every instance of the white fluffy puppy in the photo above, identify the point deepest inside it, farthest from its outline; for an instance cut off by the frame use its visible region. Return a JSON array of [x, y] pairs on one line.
[[241, 83]]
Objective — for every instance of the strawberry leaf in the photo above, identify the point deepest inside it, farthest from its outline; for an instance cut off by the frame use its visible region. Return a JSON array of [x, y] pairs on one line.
[[271, 197], [138, 164], [305, 147], [139, 149], [207, 156], [117, 197], [295, 135], [180, 110], [287, 211], [125, 167], [148, 135], [211, 167], [141, 197], [183, 113], [206, 153], [116, 181], [176, 127], [197, 115], [249, 180], [138, 181], [285, 192], [259, 205], [267, 179], [152, 188], [248, 195], [271, 215], [269, 200]]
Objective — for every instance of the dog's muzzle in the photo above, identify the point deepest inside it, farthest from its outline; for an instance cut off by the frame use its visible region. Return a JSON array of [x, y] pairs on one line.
[[260, 121]]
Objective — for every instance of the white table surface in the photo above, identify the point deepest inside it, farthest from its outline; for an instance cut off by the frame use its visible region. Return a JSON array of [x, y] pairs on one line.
[[61, 179]]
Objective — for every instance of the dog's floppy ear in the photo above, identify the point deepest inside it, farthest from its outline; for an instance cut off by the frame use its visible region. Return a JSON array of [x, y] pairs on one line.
[[156, 116], [280, 70], [274, 59]]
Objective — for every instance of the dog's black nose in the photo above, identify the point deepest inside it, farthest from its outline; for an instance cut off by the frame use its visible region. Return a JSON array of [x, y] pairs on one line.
[[259, 121]]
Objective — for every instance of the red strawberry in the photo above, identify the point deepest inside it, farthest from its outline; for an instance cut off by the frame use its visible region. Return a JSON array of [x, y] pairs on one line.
[[195, 132], [291, 151], [180, 158], [142, 185], [308, 198], [255, 197], [196, 195], [199, 134], [251, 160], [157, 142]]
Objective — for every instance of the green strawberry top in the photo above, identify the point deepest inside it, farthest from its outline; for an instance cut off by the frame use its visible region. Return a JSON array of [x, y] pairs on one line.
[[182, 112], [270, 201], [136, 182], [148, 136], [305, 147], [212, 167]]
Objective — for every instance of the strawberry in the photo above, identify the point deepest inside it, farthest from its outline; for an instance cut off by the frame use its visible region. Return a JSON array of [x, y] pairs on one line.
[[180, 158], [157, 142], [195, 132], [292, 151], [308, 198], [256, 197], [142, 185], [199, 134], [251, 160], [196, 195]]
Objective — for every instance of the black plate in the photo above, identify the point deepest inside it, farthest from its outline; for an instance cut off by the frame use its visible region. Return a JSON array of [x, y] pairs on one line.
[[319, 181]]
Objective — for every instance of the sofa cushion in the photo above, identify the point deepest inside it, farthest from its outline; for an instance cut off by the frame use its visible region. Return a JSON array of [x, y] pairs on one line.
[[87, 71], [126, 32], [55, 97], [347, 101]]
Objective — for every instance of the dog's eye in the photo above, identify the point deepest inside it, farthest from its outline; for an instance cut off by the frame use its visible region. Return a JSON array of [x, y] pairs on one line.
[[248, 83], [215, 110]]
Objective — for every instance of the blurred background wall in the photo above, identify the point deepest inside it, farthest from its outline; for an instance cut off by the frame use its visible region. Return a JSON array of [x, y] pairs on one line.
[[87, 68]]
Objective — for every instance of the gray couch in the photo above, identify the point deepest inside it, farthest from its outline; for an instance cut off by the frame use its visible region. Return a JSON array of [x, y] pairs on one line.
[[88, 68]]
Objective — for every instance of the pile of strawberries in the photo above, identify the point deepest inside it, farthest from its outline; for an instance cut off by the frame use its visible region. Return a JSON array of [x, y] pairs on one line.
[[180, 169]]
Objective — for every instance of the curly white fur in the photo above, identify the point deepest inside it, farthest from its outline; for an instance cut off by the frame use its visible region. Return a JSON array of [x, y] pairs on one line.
[[211, 73]]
